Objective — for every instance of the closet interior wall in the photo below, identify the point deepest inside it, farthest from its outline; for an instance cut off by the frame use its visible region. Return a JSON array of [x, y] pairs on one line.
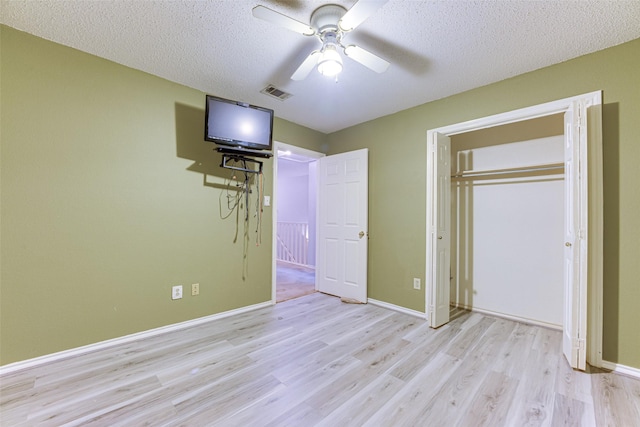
[[507, 227]]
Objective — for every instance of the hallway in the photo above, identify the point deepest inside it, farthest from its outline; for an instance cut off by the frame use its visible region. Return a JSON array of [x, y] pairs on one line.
[[293, 281]]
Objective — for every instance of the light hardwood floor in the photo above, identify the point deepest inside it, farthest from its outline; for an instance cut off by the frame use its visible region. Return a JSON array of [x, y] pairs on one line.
[[294, 281], [316, 361]]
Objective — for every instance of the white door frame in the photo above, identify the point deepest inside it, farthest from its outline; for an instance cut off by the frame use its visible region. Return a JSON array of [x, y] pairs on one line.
[[591, 104], [281, 146]]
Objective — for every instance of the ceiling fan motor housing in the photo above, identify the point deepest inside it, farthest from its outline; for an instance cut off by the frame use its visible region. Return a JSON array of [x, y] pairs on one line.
[[326, 18]]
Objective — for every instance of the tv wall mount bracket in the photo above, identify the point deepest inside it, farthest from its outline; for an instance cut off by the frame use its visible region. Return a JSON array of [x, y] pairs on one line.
[[241, 163]]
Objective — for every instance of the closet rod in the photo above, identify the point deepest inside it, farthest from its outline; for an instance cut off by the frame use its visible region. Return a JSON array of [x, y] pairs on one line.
[[548, 166]]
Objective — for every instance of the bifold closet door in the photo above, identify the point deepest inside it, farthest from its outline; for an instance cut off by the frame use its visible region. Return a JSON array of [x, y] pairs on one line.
[[439, 223], [575, 294]]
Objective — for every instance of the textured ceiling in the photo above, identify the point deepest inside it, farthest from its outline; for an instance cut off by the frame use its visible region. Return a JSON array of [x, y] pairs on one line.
[[436, 48]]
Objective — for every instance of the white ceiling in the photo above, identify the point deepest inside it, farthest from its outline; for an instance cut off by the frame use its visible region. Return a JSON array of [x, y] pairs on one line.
[[436, 48]]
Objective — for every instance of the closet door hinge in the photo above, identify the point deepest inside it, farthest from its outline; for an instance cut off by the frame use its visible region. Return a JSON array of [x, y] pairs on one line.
[[582, 107]]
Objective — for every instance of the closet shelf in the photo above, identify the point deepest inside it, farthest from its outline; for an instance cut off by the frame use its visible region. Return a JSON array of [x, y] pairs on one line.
[[497, 172]]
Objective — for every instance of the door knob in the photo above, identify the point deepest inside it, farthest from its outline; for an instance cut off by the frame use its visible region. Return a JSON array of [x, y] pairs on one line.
[[361, 234], [567, 244], [439, 237]]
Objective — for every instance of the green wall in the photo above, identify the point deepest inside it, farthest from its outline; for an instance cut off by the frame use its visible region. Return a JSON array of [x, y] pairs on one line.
[[109, 196], [397, 180]]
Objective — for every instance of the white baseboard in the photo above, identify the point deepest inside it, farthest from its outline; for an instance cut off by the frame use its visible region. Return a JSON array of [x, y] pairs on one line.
[[397, 308], [514, 318], [29, 363], [53, 357], [621, 369]]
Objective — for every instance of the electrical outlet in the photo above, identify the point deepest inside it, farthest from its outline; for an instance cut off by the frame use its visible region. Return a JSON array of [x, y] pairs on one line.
[[267, 201], [176, 292], [195, 289], [416, 283]]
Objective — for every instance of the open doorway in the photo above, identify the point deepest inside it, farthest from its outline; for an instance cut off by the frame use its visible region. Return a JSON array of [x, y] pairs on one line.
[[295, 210]]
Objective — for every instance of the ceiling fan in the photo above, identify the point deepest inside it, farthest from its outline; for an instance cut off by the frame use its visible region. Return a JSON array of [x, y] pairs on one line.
[[329, 23]]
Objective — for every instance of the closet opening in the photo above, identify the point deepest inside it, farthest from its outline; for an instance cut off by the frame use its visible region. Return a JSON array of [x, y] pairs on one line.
[[507, 218]]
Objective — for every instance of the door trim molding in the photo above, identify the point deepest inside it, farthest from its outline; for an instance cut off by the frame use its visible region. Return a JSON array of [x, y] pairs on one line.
[[593, 104]]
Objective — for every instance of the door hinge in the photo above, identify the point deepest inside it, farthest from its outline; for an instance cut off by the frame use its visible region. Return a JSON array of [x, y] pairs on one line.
[[582, 119], [580, 344]]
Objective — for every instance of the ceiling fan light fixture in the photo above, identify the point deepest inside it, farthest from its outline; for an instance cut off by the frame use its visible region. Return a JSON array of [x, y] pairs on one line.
[[330, 63]]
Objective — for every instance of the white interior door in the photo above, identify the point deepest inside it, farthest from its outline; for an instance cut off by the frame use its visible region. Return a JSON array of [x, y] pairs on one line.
[[439, 220], [575, 283], [343, 225]]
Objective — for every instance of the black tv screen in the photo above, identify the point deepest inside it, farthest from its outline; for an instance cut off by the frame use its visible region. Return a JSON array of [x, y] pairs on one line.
[[237, 124]]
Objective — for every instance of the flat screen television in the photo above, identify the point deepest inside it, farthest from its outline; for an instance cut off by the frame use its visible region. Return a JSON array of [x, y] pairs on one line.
[[238, 125]]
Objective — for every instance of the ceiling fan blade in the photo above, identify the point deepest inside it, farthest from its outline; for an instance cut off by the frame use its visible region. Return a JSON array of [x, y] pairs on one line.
[[307, 65], [358, 13], [366, 58], [278, 18]]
